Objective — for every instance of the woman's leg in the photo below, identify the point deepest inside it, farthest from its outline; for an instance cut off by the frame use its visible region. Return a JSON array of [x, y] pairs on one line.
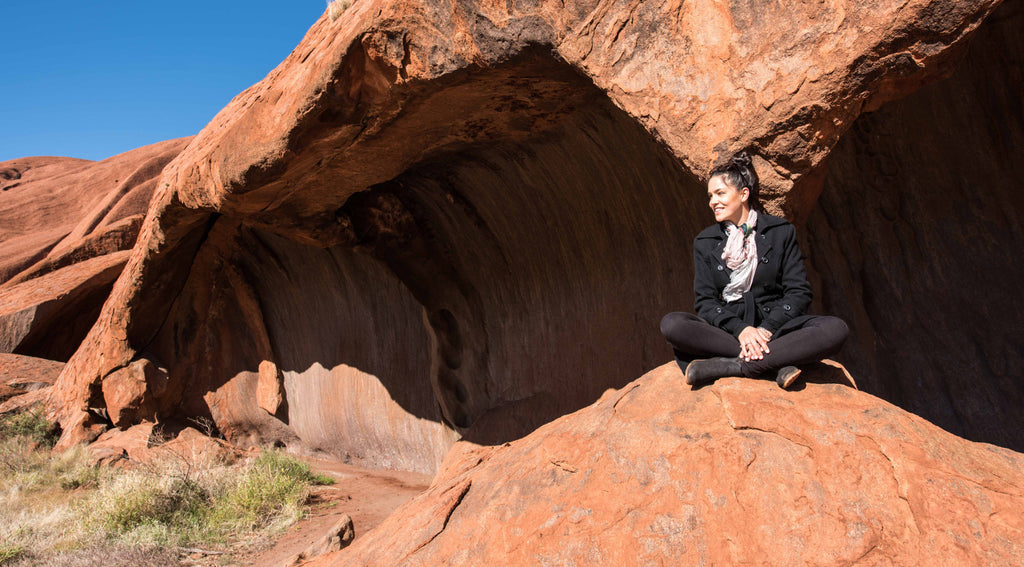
[[820, 337], [692, 337]]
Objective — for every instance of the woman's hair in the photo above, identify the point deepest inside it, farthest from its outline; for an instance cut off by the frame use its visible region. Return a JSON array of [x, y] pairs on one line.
[[739, 173]]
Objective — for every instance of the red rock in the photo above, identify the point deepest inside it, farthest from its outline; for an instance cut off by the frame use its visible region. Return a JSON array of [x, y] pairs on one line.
[[66, 226], [48, 316], [25, 380], [133, 444], [130, 393], [27, 372], [269, 387], [338, 537], [49, 206], [193, 449], [464, 221], [739, 472]]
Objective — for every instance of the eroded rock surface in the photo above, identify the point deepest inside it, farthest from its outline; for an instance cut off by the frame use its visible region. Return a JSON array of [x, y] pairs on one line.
[[736, 473], [66, 227], [441, 220], [915, 238]]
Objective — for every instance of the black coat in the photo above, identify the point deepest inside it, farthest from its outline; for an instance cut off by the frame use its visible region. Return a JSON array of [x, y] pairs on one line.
[[779, 296]]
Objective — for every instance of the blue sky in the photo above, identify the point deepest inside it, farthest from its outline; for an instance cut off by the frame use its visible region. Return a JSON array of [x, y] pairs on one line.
[[94, 79]]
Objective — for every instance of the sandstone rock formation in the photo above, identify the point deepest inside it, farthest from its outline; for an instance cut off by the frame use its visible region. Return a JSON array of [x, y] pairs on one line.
[[25, 379], [67, 226], [736, 473], [462, 219], [932, 185]]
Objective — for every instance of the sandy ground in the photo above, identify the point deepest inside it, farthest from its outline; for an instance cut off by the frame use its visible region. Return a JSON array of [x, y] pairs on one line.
[[367, 496]]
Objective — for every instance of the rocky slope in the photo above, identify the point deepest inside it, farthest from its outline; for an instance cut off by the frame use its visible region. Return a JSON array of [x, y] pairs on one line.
[[67, 226], [736, 473]]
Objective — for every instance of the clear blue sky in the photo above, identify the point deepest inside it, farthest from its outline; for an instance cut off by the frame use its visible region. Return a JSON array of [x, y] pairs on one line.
[[96, 78]]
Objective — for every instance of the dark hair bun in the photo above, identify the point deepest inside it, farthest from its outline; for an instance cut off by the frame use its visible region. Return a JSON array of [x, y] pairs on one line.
[[743, 160], [739, 172]]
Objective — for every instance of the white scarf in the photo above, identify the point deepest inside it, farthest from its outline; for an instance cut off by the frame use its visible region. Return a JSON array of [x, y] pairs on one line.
[[740, 255]]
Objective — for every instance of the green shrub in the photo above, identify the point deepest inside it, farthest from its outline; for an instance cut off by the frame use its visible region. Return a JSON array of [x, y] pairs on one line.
[[267, 493], [154, 506], [271, 490], [30, 424]]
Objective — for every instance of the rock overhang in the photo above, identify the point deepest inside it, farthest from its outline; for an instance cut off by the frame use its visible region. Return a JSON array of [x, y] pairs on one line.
[[395, 105]]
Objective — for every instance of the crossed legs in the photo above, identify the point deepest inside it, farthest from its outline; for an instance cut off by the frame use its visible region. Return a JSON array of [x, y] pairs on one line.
[[693, 338]]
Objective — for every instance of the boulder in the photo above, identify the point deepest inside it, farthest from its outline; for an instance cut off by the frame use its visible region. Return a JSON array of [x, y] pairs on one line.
[[338, 537], [735, 473], [184, 450], [130, 394]]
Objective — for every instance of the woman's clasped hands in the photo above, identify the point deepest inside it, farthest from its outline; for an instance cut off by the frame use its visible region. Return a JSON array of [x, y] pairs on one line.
[[754, 343]]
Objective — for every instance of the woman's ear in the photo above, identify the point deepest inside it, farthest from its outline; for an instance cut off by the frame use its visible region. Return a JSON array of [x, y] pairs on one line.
[[745, 194]]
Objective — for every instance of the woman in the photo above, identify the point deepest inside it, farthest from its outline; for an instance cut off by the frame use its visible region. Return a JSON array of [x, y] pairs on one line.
[[751, 292]]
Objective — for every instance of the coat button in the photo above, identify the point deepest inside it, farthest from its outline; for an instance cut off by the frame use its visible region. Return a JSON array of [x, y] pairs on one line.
[[764, 259], [718, 309], [786, 307], [766, 309], [720, 268]]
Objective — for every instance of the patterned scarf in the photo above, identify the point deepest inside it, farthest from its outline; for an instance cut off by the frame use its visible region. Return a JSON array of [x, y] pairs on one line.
[[740, 255]]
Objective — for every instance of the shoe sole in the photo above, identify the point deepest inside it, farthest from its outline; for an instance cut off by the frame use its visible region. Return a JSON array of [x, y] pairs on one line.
[[786, 379]]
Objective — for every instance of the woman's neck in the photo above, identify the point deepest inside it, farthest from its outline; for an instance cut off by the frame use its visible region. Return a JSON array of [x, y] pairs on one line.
[[744, 215]]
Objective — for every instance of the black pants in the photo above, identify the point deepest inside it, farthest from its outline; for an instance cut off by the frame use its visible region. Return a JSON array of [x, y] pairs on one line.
[[692, 337]]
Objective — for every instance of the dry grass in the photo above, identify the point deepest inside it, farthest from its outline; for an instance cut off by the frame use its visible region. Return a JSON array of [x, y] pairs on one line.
[[336, 8], [57, 509]]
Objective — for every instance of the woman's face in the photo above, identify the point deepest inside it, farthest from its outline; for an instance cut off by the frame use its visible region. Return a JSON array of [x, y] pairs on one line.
[[727, 202]]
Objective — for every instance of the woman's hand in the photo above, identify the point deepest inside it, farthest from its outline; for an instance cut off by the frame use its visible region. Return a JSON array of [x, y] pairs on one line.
[[754, 343]]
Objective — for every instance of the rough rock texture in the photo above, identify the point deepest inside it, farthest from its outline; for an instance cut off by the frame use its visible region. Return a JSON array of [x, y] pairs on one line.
[[66, 226], [21, 375], [462, 219], [145, 442], [736, 473], [338, 537], [916, 241]]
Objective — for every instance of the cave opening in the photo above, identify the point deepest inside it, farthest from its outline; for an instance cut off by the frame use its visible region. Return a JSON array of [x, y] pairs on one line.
[[509, 275], [916, 242]]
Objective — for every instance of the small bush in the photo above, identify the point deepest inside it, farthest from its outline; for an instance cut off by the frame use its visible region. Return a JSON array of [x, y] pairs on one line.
[[266, 494], [336, 8], [270, 491], [29, 425]]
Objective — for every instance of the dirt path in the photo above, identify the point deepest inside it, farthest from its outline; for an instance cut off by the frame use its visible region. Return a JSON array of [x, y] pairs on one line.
[[367, 496]]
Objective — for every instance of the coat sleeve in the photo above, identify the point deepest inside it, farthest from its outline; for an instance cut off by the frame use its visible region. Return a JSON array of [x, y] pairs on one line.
[[707, 301], [796, 292]]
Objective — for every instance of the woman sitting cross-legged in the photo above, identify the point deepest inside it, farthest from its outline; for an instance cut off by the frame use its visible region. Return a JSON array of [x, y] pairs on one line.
[[751, 292]]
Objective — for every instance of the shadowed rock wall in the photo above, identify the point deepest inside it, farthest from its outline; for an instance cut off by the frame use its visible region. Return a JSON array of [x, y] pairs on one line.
[[472, 276], [917, 241]]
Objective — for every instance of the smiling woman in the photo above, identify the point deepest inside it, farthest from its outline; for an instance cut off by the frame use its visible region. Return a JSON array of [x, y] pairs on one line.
[[106, 77], [751, 292]]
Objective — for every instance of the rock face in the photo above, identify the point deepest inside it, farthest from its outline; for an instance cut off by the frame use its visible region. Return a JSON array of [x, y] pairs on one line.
[[67, 226], [439, 220], [910, 239], [25, 379], [736, 473]]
